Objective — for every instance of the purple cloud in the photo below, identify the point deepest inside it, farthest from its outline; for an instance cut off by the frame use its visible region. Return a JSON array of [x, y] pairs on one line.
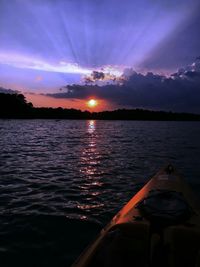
[[178, 92]]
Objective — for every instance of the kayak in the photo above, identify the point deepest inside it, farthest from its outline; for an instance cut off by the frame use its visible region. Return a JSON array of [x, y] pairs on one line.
[[159, 226]]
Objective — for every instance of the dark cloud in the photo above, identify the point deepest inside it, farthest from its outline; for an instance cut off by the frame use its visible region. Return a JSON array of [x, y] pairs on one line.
[[8, 91], [178, 92], [100, 77], [97, 75]]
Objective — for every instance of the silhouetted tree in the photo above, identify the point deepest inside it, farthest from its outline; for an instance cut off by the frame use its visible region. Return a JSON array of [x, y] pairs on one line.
[[16, 106]]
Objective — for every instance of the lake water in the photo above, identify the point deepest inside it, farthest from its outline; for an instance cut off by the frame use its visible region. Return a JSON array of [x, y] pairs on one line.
[[61, 181]]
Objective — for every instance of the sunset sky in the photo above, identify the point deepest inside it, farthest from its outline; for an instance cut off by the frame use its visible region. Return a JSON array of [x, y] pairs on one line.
[[124, 54]]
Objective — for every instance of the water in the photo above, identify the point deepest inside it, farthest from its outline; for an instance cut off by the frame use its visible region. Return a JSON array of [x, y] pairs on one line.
[[61, 181]]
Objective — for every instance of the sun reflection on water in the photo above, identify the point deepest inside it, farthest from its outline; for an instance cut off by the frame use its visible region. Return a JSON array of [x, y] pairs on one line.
[[91, 126], [90, 162], [90, 155]]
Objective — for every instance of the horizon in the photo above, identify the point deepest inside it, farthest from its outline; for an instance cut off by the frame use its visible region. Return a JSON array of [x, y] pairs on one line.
[[11, 109], [137, 54]]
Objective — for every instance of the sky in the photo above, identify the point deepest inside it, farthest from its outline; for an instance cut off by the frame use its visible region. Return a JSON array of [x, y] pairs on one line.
[[124, 54]]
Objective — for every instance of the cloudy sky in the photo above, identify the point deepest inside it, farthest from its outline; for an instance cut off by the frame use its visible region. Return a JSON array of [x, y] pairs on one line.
[[130, 53]]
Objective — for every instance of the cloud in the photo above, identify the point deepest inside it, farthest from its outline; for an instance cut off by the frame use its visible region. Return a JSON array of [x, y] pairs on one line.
[[8, 91], [29, 62], [104, 76], [177, 92], [97, 75]]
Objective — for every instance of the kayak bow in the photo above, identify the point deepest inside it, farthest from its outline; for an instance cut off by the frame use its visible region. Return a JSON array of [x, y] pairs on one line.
[[159, 226]]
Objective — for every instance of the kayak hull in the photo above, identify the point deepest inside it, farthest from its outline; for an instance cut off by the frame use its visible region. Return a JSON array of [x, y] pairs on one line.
[[151, 228]]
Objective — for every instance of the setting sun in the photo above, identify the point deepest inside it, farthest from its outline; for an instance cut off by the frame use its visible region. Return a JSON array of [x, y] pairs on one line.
[[92, 103]]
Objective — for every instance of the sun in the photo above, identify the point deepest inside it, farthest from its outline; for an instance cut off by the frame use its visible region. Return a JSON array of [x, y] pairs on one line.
[[92, 103]]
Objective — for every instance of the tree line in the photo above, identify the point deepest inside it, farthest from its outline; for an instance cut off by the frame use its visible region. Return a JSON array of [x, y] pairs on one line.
[[15, 106]]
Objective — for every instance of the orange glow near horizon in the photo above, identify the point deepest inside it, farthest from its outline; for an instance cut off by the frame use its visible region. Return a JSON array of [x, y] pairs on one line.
[[47, 101]]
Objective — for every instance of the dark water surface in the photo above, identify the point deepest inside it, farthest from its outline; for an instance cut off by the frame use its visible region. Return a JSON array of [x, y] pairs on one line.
[[61, 181]]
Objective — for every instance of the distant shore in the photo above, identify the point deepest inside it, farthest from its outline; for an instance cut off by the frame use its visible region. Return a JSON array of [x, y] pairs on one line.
[[15, 106]]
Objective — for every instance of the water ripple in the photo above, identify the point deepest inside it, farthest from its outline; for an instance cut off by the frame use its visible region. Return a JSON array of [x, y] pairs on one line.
[[61, 179]]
